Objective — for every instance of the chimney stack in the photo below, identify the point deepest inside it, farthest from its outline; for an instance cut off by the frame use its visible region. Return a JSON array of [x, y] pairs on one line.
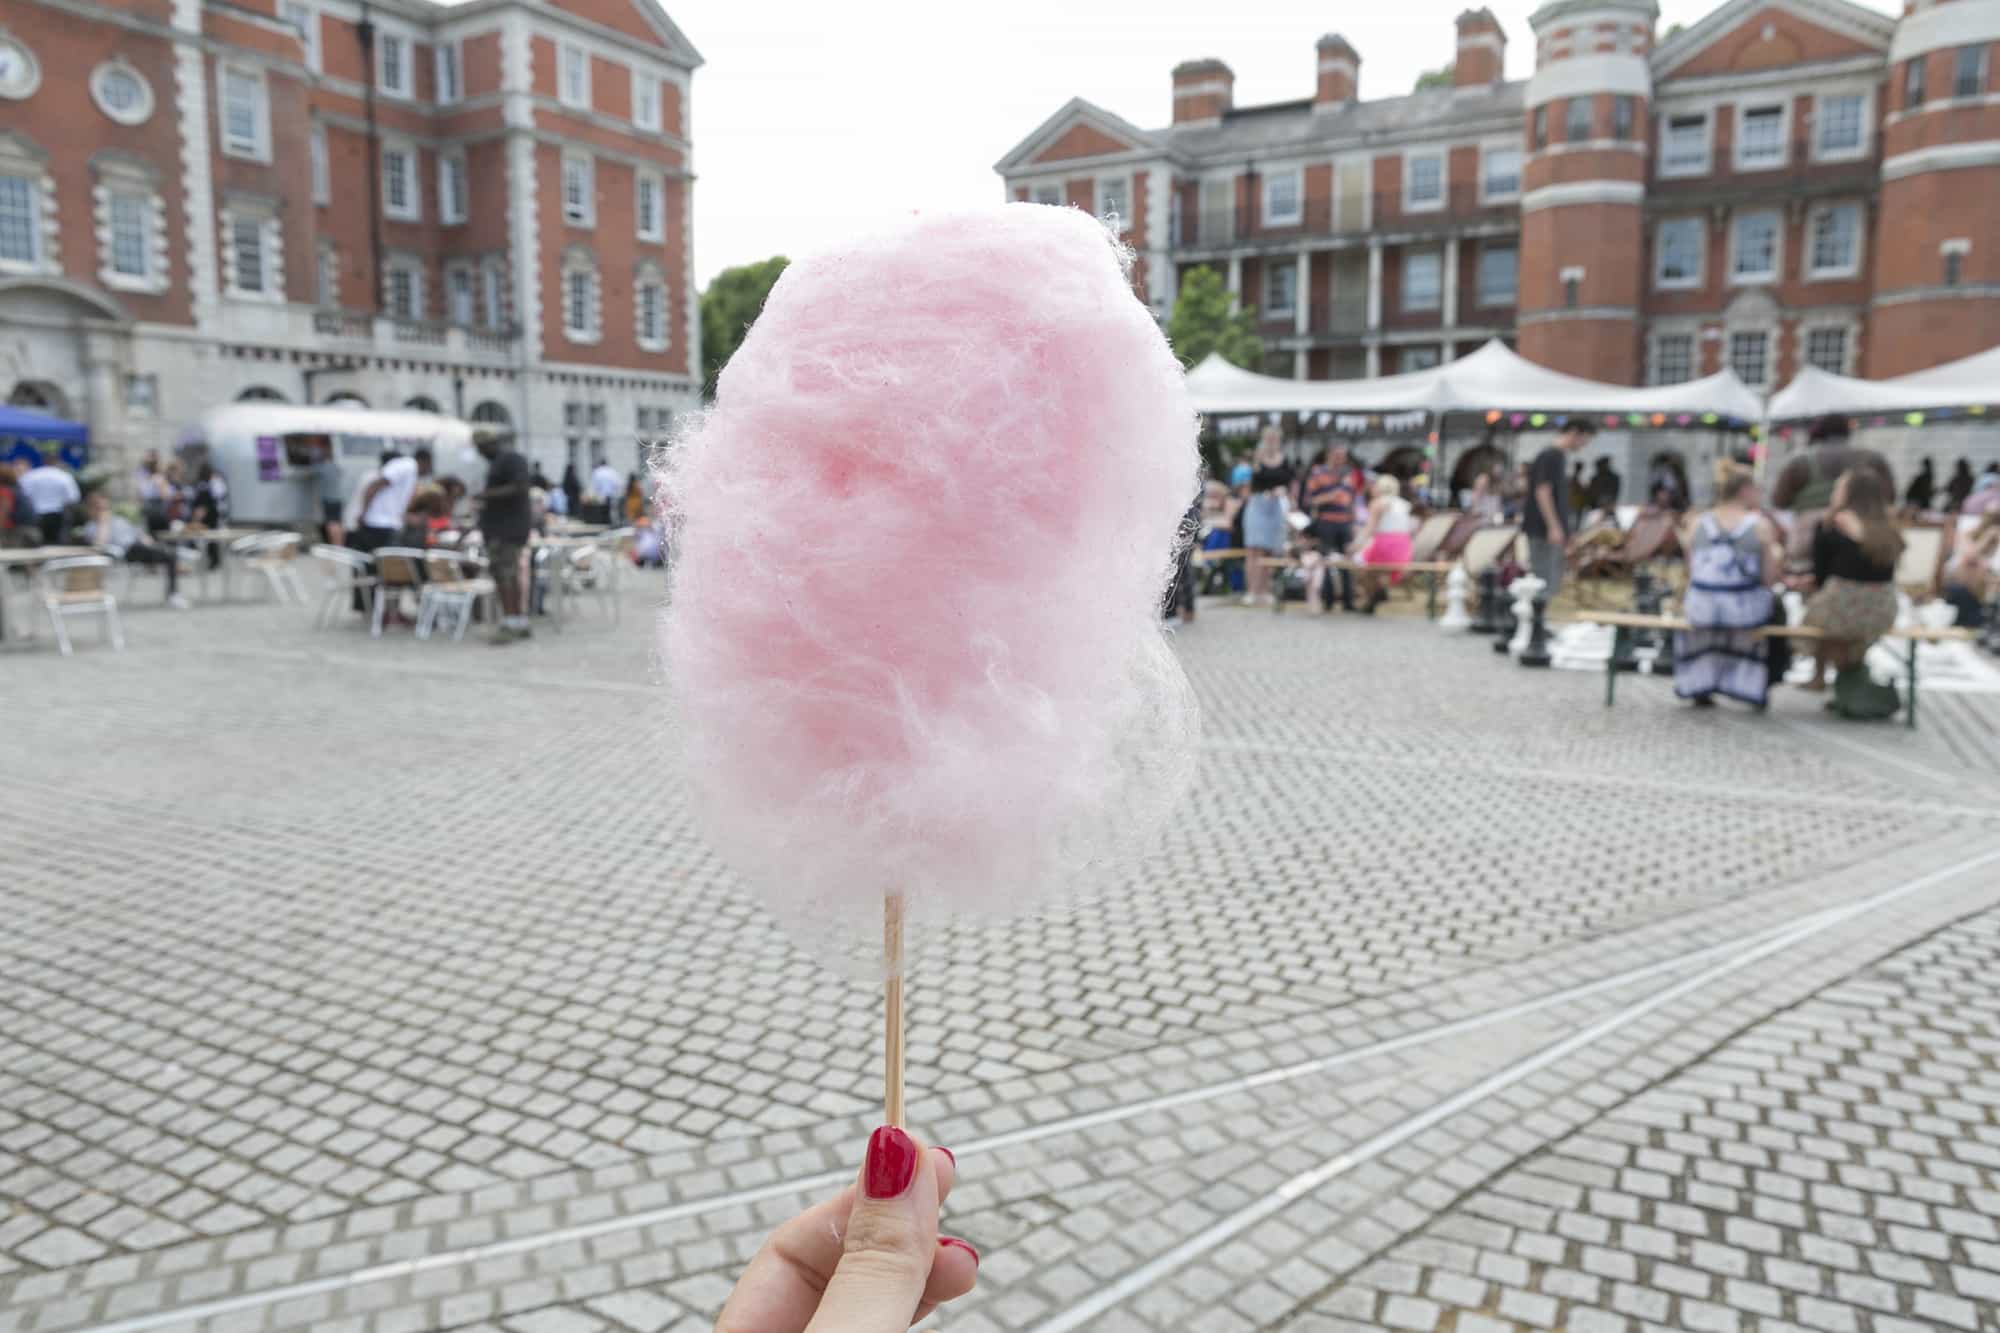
[[1482, 50], [1203, 90], [1339, 73]]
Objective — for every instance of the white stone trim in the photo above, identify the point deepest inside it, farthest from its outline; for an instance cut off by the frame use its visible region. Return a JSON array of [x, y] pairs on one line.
[[1961, 23], [1488, 41], [1297, 217], [1707, 91], [1808, 271], [271, 248], [576, 260], [260, 149], [524, 242], [690, 304], [197, 179], [1943, 157], [406, 90], [1668, 115], [588, 161], [412, 209], [650, 274], [1700, 278], [1443, 156], [584, 99], [404, 261], [19, 156], [1207, 88], [448, 215], [1866, 92], [31, 79], [120, 65], [320, 163], [658, 232], [1337, 65], [1161, 200], [1777, 273], [1589, 74], [1761, 102], [113, 180], [1583, 192]]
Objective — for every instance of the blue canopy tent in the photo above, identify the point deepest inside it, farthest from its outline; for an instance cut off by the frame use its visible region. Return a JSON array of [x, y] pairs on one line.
[[33, 436]]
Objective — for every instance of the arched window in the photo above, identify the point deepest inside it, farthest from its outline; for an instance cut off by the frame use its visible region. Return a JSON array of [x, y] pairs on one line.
[[423, 403], [38, 397], [491, 413], [346, 398], [260, 393]]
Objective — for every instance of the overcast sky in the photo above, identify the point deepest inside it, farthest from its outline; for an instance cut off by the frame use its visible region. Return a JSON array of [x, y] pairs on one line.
[[814, 120]]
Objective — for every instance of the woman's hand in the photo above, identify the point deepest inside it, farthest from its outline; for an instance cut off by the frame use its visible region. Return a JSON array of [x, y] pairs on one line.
[[868, 1260]]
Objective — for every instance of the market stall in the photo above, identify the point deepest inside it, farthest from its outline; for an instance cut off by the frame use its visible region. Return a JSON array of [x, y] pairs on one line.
[[36, 437]]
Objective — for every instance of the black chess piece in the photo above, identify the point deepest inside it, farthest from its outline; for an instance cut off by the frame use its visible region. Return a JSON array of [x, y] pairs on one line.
[[1535, 653], [1488, 621], [1503, 637]]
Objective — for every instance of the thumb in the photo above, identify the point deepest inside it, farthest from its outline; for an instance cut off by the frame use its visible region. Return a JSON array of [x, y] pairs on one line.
[[892, 1237]]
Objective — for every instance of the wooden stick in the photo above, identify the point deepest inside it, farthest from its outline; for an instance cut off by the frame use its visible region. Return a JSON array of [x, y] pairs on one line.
[[892, 1010]]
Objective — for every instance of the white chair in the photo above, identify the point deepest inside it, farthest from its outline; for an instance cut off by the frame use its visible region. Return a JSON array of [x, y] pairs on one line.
[[398, 569], [453, 585], [347, 573], [580, 570], [275, 555], [74, 585]]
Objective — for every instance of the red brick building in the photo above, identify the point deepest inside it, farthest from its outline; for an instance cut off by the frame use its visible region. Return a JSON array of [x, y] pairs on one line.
[[1783, 182], [482, 209]]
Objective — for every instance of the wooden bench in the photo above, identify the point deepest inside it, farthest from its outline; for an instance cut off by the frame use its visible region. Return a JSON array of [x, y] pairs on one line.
[[1624, 622], [1432, 570]]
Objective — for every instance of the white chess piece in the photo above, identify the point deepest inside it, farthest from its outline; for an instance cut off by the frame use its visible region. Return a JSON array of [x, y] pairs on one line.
[[1525, 590], [1456, 585], [1906, 611], [1795, 608]]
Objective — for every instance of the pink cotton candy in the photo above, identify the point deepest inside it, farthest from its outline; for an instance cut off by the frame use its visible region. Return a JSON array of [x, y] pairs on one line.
[[920, 545]]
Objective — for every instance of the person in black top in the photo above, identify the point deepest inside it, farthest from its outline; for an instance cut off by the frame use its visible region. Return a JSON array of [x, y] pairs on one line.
[[504, 517], [1854, 553], [1605, 485], [1959, 486], [1265, 526], [1922, 487], [1545, 516]]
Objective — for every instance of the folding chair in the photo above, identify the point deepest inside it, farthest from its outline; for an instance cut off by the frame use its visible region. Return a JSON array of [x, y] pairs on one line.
[[347, 572], [397, 569], [74, 585]]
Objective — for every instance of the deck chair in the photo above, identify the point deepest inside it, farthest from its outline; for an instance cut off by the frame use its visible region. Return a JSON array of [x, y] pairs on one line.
[[74, 586], [1651, 537], [1923, 555], [453, 585], [347, 572], [397, 569], [1429, 542], [1462, 528], [1487, 547]]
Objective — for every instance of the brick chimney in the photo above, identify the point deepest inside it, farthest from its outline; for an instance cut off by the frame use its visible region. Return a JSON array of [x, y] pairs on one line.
[[1482, 50], [1339, 72], [1203, 90]]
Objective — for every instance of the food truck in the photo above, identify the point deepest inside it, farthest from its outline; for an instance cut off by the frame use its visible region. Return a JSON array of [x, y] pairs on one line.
[[269, 453]]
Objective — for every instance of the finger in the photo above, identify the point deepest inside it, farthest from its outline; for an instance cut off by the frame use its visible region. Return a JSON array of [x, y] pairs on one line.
[[892, 1240], [781, 1286], [953, 1271]]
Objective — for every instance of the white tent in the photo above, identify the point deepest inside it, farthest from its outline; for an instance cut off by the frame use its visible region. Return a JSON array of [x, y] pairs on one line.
[[1494, 378], [1971, 382]]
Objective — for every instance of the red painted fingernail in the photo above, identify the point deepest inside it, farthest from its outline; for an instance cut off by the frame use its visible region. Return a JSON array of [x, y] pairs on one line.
[[953, 1240], [891, 1164], [949, 1153]]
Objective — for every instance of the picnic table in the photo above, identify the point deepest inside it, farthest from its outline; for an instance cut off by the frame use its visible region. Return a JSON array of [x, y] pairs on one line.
[[219, 539], [1432, 570], [1622, 623]]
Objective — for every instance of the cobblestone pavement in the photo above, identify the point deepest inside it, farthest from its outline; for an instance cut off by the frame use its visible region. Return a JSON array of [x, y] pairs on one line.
[[378, 986]]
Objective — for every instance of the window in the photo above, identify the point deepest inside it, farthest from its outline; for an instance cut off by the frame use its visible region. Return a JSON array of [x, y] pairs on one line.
[[399, 182], [1623, 108], [326, 275], [131, 217], [1576, 120], [1913, 83], [1423, 280], [460, 298], [646, 101], [1677, 261], [492, 413], [1284, 205], [1420, 358], [574, 86], [1755, 237], [1684, 146], [1841, 122], [246, 116], [579, 202], [649, 308], [579, 297], [1760, 137], [1673, 358], [1423, 181], [1501, 176], [1541, 127], [121, 93], [246, 252], [392, 63], [493, 294], [1835, 250], [1826, 348], [1499, 274], [646, 207], [1049, 194], [404, 294], [1750, 357], [452, 188], [1113, 198], [301, 16], [1281, 288], [1968, 71], [20, 221], [450, 72], [322, 178]]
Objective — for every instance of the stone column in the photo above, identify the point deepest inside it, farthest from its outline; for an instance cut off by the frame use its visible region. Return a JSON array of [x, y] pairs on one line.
[[1236, 277], [1302, 303], [1451, 282], [1374, 285]]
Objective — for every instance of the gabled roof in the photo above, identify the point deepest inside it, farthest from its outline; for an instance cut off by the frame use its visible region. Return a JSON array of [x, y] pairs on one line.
[[679, 49], [1076, 111], [1857, 22]]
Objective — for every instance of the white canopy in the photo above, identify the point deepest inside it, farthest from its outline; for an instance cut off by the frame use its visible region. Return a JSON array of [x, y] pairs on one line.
[[1972, 381], [1494, 378]]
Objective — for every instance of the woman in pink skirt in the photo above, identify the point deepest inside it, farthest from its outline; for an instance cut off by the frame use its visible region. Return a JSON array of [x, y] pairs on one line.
[[1385, 540]]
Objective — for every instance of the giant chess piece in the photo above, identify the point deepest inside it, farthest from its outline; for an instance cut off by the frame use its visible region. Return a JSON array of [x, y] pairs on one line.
[[1524, 591], [1490, 620], [1455, 618], [1535, 652], [1663, 660]]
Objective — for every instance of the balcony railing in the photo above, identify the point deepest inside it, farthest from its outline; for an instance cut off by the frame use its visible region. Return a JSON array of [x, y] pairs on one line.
[[1348, 215], [359, 326]]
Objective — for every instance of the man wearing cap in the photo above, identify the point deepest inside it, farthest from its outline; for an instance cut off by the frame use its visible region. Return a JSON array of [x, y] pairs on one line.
[[505, 517], [1545, 517]]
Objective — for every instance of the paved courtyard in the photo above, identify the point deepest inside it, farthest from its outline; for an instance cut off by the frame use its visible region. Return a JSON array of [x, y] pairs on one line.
[[371, 987]]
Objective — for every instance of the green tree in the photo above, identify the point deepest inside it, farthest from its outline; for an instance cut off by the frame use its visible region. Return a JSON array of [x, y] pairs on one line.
[[1435, 78], [729, 306], [1207, 319]]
